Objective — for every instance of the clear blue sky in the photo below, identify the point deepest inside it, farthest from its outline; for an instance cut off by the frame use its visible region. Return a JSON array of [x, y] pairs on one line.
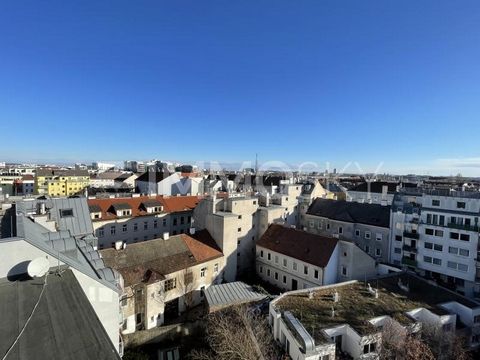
[[338, 81]]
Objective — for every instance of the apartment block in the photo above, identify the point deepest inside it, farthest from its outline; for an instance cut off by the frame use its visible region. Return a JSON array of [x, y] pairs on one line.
[[55, 182], [366, 225], [164, 277], [354, 318], [128, 220], [436, 233], [292, 259]]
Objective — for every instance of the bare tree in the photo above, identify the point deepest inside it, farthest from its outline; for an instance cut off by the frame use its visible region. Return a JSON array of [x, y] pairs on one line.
[[236, 334], [186, 281]]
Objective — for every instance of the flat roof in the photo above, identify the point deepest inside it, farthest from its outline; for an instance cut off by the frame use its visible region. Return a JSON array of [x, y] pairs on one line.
[[357, 305], [63, 326]]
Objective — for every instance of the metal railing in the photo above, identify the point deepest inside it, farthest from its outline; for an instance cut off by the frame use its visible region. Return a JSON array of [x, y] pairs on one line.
[[411, 235], [409, 262]]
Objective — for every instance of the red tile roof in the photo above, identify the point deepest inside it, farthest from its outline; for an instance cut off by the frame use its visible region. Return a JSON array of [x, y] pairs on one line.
[[202, 246], [170, 204], [310, 248]]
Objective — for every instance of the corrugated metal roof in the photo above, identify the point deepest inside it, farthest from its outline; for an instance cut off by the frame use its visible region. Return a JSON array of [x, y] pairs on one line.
[[231, 294]]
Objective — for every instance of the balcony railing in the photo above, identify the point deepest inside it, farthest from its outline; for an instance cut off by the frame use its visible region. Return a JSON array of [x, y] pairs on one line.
[[464, 227], [409, 262], [410, 248], [411, 235]]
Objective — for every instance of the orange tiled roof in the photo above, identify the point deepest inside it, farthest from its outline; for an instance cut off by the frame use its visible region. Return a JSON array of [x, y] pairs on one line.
[[202, 246], [170, 204]]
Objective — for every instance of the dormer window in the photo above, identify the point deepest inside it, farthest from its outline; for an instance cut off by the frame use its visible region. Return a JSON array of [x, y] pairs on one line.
[[152, 206], [122, 209]]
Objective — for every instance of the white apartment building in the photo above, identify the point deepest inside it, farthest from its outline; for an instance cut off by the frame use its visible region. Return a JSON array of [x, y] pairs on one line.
[[353, 317], [139, 218], [440, 240], [292, 259], [164, 277]]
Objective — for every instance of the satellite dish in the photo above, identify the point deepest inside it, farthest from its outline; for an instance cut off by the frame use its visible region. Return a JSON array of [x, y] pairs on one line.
[[38, 267]]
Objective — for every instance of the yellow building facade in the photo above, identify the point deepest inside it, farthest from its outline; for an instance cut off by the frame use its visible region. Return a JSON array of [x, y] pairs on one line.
[[61, 182]]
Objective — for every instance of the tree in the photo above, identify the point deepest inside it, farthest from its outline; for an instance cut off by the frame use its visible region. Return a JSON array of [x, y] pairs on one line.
[[237, 334]]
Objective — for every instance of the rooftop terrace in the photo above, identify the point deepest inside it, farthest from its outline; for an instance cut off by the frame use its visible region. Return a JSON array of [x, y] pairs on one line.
[[357, 305]]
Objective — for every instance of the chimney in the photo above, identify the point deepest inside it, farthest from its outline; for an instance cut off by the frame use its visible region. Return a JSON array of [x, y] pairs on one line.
[[166, 235], [267, 200]]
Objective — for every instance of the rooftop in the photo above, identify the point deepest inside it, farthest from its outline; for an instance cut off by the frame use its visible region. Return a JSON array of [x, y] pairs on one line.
[[357, 305], [301, 245], [138, 204], [220, 296], [63, 326], [150, 261], [352, 212]]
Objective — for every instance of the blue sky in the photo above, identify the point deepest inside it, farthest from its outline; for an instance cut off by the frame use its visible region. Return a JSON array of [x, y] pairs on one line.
[[386, 81]]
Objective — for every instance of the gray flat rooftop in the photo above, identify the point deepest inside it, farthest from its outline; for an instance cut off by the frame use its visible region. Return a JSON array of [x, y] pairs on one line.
[[219, 296], [63, 326]]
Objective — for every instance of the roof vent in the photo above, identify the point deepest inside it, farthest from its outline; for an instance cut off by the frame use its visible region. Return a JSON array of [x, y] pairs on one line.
[[166, 235]]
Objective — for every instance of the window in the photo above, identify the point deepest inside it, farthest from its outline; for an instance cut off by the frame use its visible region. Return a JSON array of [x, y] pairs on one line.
[[284, 279], [155, 224], [452, 265], [464, 237], [378, 252], [112, 230], [175, 221], [463, 252], [260, 269], [145, 225], [435, 202], [182, 220], [239, 229], [344, 270], [367, 235], [203, 271], [164, 222], [305, 270], [315, 274], [170, 284], [453, 250], [124, 228], [369, 348], [285, 262], [340, 230], [462, 267], [239, 217], [311, 223], [295, 266], [398, 237], [429, 232], [378, 237], [437, 261], [397, 250], [276, 275], [135, 227], [261, 253], [454, 235], [427, 259], [437, 247], [276, 259], [269, 256], [268, 272], [357, 233], [367, 249], [439, 233], [460, 205], [101, 232], [66, 213], [328, 226]]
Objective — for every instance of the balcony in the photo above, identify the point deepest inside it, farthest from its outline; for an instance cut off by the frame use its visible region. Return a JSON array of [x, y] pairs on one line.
[[411, 235], [409, 262], [410, 248], [464, 227]]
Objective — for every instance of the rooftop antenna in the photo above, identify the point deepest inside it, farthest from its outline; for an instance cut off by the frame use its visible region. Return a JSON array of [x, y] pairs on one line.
[[256, 163]]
